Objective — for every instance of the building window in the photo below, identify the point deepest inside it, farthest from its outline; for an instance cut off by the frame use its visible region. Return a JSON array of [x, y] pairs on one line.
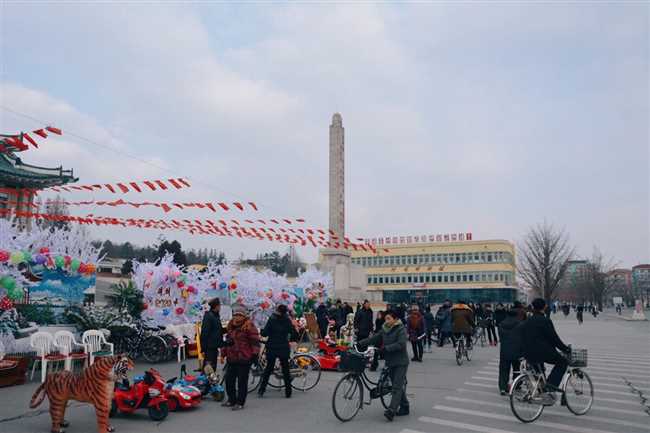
[[369, 280], [427, 279], [381, 280], [445, 278], [483, 276], [408, 279], [464, 278], [489, 259], [471, 277], [422, 278]]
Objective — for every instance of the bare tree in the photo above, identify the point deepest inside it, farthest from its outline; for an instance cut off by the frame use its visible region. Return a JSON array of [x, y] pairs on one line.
[[598, 285], [543, 255], [57, 207]]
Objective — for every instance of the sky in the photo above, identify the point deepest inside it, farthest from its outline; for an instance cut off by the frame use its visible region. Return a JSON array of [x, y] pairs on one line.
[[459, 117]]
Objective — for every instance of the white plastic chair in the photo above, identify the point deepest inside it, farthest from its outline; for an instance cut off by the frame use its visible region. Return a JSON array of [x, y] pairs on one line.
[[94, 342], [177, 332], [65, 342], [43, 343]]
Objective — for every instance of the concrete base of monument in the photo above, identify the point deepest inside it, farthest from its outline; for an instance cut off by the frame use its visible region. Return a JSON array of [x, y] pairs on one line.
[[349, 280]]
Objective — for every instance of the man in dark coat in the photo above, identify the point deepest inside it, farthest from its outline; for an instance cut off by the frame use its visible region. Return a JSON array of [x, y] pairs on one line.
[[540, 342], [212, 333], [279, 332], [510, 349], [462, 323], [363, 321], [322, 318], [393, 336], [499, 314]]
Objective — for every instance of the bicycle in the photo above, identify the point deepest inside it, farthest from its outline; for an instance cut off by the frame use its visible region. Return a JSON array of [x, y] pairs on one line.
[[527, 391], [462, 350], [479, 335], [350, 388], [138, 339], [301, 367]]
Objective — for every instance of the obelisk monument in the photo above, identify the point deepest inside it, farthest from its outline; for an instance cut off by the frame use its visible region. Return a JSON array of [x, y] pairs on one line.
[[349, 279], [337, 178]]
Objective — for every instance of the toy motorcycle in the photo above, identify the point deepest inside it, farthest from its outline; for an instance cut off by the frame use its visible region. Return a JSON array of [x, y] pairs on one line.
[[208, 382], [148, 391]]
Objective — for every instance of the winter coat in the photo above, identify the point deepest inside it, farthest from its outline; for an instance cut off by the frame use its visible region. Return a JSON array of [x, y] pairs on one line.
[[539, 339], [499, 316], [462, 319], [363, 322], [429, 321], [443, 316], [321, 315], [394, 340], [279, 331], [242, 340], [211, 332], [510, 337], [379, 322], [415, 325]]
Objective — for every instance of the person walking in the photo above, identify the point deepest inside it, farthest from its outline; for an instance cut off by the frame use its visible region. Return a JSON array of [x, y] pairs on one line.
[[443, 317], [579, 313], [416, 332], [211, 338], [510, 349], [322, 319], [393, 338], [499, 314], [363, 321], [242, 348], [429, 323], [379, 323], [488, 323], [279, 332]]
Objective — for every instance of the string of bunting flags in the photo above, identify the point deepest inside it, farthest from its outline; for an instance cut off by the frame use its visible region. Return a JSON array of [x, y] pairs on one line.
[[314, 237], [166, 207], [17, 141], [126, 187]]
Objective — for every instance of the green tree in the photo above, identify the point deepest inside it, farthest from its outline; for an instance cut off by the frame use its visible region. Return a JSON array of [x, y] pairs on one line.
[[174, 248]]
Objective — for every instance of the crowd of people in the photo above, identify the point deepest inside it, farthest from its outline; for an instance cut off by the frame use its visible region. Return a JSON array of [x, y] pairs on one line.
[[519, 331]]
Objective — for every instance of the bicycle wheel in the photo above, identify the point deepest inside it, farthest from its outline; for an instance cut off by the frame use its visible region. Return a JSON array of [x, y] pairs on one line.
[[347, 398], [254, 378], [385, 388], [305, 372], [154, 349], [483, 340], [524, 402], [468, 353], [578, 392], [459, 352]]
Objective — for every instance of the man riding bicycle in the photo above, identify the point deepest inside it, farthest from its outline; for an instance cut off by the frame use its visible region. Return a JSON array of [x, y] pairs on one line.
[[393, 336], [540, 342], [462, 323]]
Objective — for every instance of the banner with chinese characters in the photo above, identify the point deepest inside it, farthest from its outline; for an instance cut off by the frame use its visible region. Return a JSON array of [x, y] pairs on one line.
[[419, 239]]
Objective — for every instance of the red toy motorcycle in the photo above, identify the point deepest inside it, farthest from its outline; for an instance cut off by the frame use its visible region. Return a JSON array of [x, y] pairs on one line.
[[148, 391]]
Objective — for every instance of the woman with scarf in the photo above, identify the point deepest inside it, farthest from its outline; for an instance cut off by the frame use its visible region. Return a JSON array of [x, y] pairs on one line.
[[242, 348], [416, 331]]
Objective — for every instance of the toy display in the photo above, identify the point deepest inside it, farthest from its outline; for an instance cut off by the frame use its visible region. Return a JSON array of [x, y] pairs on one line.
[[208, 382], [181, 395], [147, 391], [91, 386]]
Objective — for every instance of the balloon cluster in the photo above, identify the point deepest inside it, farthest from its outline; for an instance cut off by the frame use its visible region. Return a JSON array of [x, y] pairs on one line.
[[46, 259], [14, 292], [6, 304]]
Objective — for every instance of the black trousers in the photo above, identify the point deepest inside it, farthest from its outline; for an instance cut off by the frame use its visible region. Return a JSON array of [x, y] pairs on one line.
[[237, 382], [491, 333], [398, 398], [504, 372], [418, 348], [560, 365], [270, 366], [211, 357]]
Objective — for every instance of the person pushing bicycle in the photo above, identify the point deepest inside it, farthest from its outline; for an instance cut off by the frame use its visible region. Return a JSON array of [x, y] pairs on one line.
[[393, 336]]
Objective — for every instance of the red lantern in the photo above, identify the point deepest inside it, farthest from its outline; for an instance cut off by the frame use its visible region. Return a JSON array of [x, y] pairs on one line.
[[180, 284], [82, 268], [4, 256], [179, 310], [44, 250], [233, 285], [145, 306]]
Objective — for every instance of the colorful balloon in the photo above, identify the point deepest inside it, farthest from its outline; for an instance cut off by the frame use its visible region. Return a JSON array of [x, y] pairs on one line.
[[4, 256], [8, 283], [27, 256], [59, 261], [74, 265], [40, 259], [223, 286], [15, 294], [16, 257], [44, 250]]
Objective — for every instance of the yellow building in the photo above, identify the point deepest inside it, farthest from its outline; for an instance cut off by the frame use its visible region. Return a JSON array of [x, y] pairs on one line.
[[431, 272]]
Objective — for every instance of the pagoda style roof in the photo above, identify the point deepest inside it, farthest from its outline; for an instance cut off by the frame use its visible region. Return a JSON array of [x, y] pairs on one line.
[[15, 173]]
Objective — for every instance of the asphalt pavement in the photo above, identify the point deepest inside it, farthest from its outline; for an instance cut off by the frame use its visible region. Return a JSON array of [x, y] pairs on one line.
[[444, 397]]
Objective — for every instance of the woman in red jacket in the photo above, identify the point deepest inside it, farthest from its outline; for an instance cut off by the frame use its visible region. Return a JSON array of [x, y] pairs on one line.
[[242, 347]]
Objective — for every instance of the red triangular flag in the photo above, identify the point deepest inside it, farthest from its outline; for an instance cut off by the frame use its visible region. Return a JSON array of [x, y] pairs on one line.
[[40, 132], [30, 139], [53, 130]]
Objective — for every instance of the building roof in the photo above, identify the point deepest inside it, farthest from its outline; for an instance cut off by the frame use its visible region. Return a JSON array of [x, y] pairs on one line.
[[644, 266], [15, 172]]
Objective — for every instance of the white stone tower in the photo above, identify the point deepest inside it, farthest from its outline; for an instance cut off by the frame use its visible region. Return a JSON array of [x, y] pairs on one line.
[[349, 279], [337, 177]]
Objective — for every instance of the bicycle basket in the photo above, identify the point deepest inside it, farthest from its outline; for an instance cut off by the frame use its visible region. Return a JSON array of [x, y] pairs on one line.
[[578, 358], [351, 361]]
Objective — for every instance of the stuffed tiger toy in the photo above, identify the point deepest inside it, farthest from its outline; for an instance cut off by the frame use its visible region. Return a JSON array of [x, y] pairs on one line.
[[94, 385]]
